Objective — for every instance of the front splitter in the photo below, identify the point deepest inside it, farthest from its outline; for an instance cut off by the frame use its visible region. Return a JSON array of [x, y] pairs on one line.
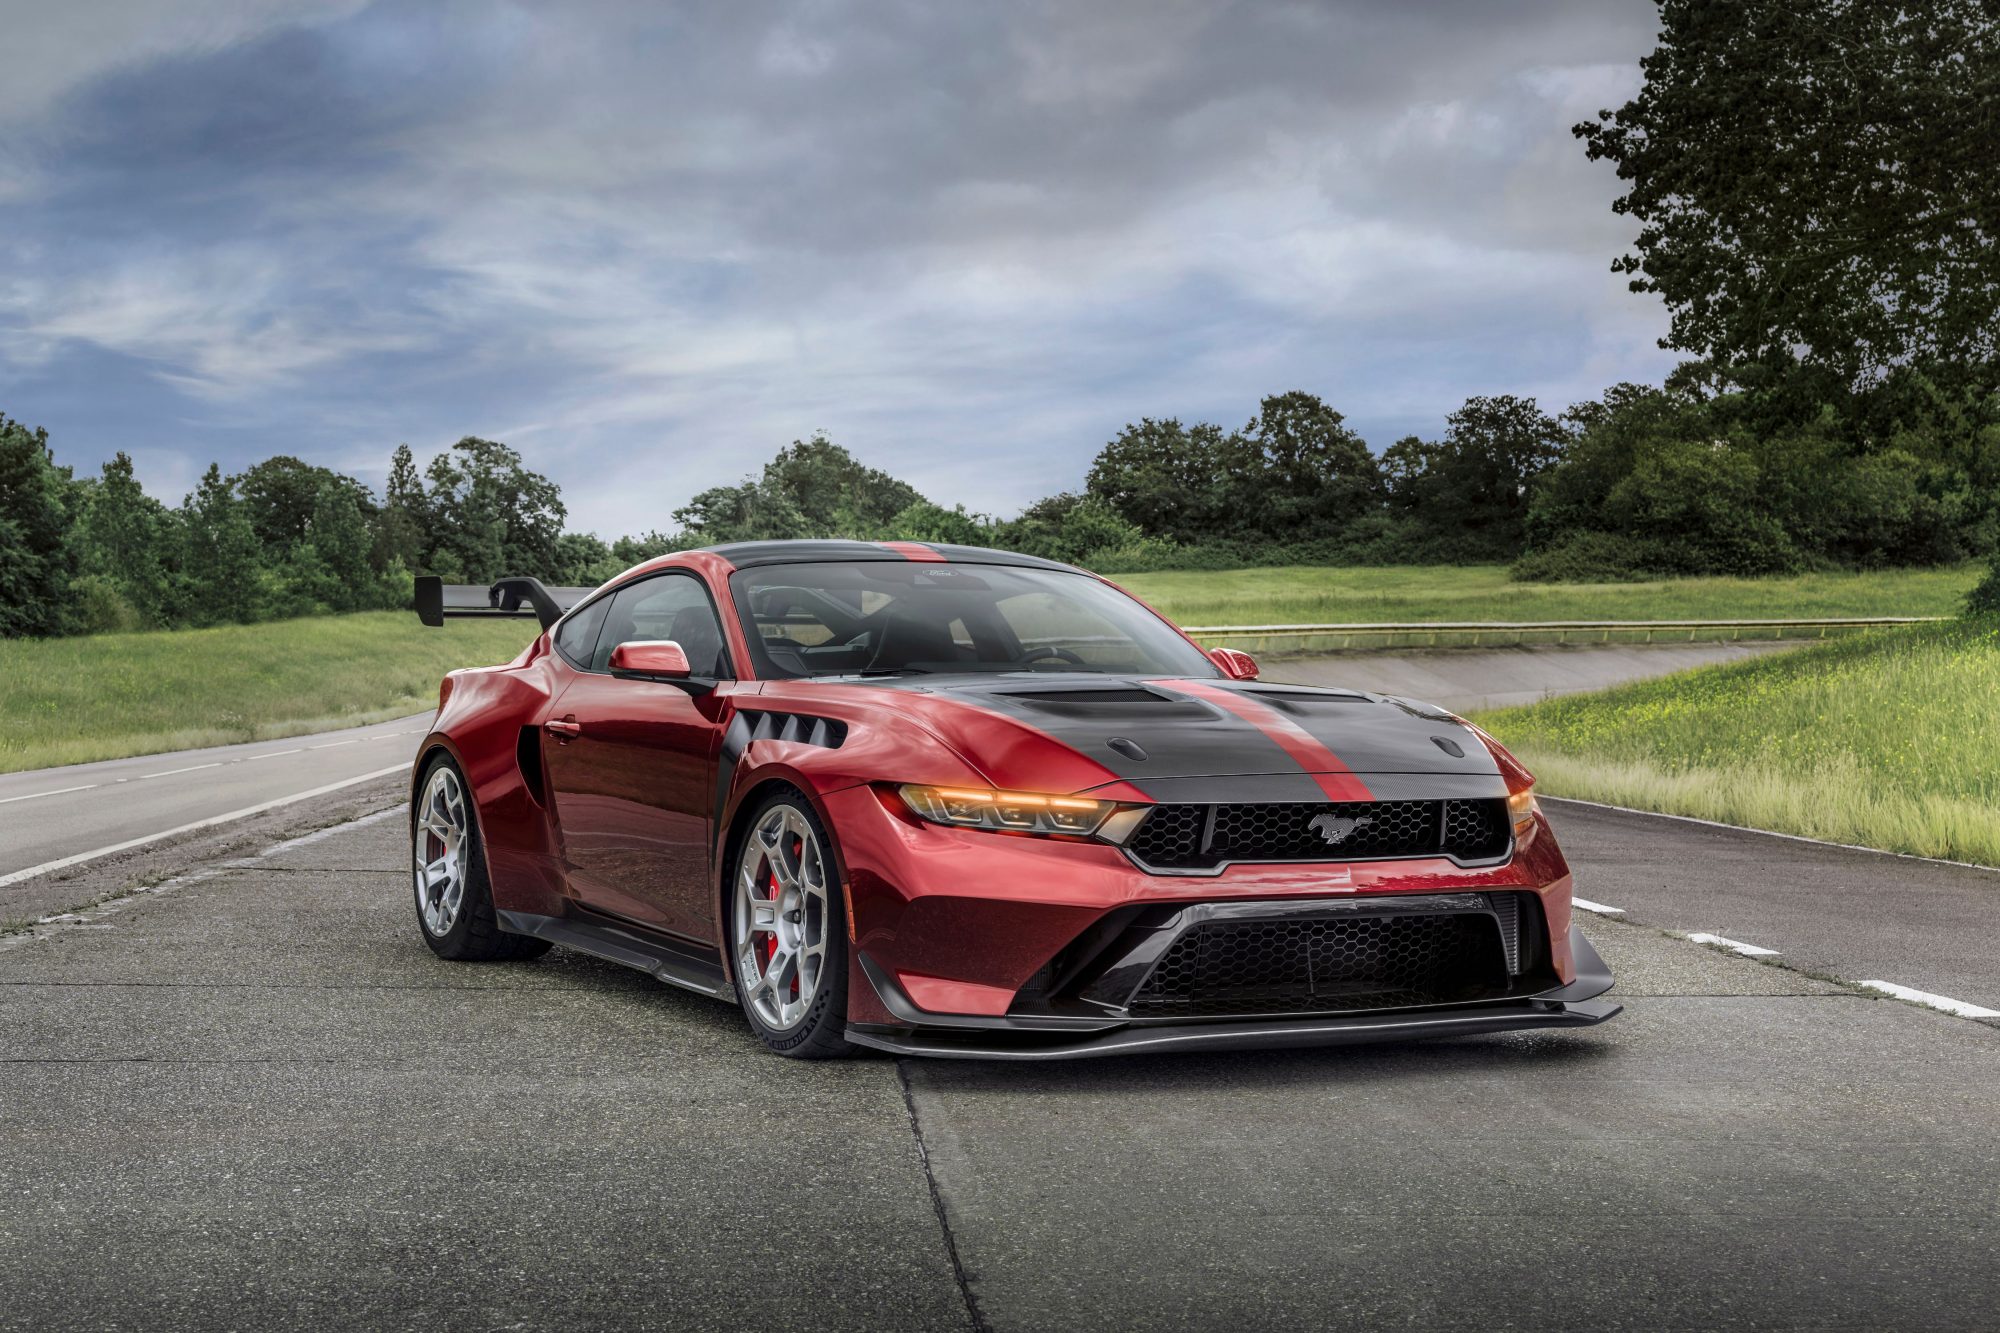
[[1263, 1034]]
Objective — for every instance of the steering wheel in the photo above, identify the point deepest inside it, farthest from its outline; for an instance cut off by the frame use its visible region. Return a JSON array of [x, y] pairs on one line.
[[1062, 654]]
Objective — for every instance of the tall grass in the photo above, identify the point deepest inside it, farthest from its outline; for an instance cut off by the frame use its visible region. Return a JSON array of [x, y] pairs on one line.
[[1888, 739], [1482, 592], [67, 701]]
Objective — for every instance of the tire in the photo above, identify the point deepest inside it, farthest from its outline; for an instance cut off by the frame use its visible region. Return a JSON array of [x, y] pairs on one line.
[[787, 945], [448, 866]]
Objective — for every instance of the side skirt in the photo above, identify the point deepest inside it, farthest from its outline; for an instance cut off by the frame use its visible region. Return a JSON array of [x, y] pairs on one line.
[[661, 959]]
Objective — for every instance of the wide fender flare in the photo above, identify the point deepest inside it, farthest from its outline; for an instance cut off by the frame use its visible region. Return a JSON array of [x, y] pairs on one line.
[[752, 778]]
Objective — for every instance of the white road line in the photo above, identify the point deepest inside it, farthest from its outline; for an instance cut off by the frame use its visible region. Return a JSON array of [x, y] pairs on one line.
[[1738, 946], [47, 866], [192, 768], [1598, 908], [1944, 1002], [331, 744], [88, 786], [253, 758]]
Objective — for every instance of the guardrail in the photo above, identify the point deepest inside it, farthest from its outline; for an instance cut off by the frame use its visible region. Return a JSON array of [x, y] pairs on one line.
[[1279, 640]]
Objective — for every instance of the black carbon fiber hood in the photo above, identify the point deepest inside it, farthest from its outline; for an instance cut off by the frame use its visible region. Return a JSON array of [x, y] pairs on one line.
[[1235, 740]]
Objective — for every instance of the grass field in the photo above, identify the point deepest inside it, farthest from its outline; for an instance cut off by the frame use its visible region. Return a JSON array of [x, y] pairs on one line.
[[1482, 592], [67, 701], [1887, 739]]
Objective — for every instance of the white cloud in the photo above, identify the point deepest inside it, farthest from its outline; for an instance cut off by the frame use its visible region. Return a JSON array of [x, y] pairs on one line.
[[648, 245], [53, 48]]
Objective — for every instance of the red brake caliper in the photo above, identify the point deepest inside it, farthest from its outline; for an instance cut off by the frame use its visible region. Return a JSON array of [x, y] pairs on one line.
[[771, 937], [798, 853]]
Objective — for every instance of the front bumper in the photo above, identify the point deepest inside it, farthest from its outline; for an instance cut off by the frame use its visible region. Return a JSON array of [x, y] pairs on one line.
[[981, 945], [913, 1031]]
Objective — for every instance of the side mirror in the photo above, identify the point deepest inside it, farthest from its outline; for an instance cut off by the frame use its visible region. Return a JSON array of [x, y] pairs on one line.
[[1235, 665], [661, 659]]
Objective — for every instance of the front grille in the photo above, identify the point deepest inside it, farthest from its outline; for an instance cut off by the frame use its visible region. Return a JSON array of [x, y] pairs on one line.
[[1322, 965], [1202, 837]]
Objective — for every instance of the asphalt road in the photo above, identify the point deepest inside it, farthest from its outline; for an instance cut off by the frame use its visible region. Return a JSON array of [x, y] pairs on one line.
[[52, 815], [48, 815], [1829, 911], [250, 1098]]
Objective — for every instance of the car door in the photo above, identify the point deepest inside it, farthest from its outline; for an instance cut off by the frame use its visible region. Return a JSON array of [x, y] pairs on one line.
[[631, 763]]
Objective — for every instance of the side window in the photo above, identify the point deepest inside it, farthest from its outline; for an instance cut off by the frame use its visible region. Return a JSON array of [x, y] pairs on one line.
[[667, 606], [576, 637]]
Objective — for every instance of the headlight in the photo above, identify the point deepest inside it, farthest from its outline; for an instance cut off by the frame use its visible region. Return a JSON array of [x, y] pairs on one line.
[[1026, 812]]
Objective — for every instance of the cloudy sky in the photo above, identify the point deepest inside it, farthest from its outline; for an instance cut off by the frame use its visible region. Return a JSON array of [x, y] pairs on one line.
[[647, 243]]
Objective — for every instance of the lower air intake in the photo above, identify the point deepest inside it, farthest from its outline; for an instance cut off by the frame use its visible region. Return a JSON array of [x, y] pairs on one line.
[[1326, 965]]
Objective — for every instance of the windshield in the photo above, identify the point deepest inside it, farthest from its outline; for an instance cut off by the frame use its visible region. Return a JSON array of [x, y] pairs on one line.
[[885, 617]]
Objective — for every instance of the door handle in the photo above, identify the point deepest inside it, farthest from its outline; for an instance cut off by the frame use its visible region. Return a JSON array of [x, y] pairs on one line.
[[563, 729]]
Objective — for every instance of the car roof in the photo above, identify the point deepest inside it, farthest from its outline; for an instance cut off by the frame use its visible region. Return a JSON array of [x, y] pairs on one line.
[[748, 555]]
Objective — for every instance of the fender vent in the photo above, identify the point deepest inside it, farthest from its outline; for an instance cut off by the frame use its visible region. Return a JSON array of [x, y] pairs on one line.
[[797, 727], [528, 754]]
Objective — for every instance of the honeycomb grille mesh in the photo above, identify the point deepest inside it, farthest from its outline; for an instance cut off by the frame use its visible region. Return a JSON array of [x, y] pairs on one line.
[[1325, 966], [1195, 837]]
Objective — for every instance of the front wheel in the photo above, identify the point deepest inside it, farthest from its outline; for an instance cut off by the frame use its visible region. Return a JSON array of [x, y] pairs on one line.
[[785, 932]]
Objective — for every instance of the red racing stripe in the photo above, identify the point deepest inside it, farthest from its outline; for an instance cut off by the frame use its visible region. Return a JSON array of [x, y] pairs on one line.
[[913, 551], [1336, 779]]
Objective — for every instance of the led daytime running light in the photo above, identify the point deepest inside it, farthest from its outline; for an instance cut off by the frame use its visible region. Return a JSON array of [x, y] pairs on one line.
[[1028, 812]]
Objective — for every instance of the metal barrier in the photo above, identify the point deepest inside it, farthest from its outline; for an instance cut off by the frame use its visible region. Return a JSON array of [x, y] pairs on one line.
[[1279, 640]]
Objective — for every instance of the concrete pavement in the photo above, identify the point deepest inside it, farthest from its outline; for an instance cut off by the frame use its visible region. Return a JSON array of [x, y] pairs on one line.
[[251, 1098]]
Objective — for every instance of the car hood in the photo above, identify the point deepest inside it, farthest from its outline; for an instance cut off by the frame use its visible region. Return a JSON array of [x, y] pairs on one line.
[[1199, 739]]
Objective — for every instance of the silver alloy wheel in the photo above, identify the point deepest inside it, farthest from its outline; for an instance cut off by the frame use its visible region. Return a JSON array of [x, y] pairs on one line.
[[442, 845], [781, 917]]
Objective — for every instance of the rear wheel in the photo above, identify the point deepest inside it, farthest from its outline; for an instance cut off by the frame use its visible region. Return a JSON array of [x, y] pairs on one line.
[[786, 939], [454, 901]]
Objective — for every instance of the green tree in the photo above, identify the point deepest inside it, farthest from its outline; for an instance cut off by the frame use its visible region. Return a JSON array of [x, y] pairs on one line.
[[402, 528], [1815, 183], [1470, 492], [755, 510], [126, 541], [834, 492], [926, 522], [490, 515], [1164, 478], [1069, 527], [220, 567], [584, 561], [281, 495], [629, 551], [37, 560], [336, 551], [811, 488], [1297, 472]]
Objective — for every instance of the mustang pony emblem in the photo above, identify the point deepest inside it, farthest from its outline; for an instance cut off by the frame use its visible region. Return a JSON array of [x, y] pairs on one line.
[[1337, 829]]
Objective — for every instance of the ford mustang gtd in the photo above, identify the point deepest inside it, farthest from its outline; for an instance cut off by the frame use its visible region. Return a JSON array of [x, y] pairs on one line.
[[945, 801]]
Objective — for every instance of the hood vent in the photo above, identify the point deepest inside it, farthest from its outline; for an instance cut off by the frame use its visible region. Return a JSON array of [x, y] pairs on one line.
[[1121, 702], [1305, 704], [1091, 698]]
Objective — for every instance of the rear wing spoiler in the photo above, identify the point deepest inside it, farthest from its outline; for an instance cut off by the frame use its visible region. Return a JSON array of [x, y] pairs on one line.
[[437, 599]]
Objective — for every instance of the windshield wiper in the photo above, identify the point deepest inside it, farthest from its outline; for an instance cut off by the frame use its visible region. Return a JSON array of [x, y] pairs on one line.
[[889, 671]]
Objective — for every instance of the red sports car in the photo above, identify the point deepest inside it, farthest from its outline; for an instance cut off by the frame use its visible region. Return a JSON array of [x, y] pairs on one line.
[[939, 800]]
